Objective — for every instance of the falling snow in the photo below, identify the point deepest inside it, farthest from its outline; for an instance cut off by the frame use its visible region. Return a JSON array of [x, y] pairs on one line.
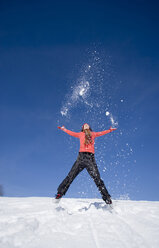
[[92, 95]]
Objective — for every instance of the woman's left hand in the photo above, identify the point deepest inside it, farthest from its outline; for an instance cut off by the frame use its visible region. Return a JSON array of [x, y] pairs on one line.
[[61, 127]]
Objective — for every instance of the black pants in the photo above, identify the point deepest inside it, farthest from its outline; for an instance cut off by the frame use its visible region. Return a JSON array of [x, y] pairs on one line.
[[84, 160]]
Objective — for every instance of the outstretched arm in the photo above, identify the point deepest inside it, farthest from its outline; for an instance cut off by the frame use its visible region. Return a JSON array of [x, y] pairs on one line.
[[97, 134], [74, 134]]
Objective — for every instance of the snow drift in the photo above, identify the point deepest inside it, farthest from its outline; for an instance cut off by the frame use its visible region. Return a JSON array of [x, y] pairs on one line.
[[88, 223]]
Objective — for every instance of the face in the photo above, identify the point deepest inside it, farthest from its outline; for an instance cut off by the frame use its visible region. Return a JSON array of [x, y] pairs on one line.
[[86, 126]]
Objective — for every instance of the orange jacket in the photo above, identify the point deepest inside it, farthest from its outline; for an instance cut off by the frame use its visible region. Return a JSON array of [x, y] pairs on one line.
[[81, 136]]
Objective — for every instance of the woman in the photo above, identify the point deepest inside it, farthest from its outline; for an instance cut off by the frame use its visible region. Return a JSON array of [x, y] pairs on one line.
[[86, 160]]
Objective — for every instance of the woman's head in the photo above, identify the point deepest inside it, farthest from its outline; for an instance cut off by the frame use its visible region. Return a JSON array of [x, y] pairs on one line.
[[88, 136], [86, 127]]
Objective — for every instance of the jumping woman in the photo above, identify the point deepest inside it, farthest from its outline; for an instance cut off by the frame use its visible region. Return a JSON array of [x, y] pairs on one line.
[[86, 160]]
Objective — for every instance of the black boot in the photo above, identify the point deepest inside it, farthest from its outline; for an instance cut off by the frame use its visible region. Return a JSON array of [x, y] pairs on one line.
[[107, 199], [58, 196]]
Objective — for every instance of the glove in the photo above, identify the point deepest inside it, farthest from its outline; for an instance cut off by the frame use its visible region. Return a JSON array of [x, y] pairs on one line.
[[112, 129], [61, 127]]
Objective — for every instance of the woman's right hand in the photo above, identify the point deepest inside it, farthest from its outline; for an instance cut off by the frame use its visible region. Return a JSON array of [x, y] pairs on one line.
[[112, 129], [61, 127]]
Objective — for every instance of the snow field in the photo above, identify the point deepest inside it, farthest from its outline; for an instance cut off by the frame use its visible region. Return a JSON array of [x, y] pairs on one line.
[[74, 223]]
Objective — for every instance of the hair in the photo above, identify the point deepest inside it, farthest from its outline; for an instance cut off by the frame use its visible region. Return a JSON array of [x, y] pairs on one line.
[[88, 135], [82, 130]]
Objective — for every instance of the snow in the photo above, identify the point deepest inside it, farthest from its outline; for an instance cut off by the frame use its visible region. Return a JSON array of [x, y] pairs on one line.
[[107, 113], [40, 222], [111, 118], [79, 93], [81, 90]]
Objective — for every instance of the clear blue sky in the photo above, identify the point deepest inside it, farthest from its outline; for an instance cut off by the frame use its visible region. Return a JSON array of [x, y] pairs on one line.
[[45, 49]]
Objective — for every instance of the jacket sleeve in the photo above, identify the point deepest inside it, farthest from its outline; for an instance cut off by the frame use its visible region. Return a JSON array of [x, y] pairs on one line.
[[97, 134], [74, 134]]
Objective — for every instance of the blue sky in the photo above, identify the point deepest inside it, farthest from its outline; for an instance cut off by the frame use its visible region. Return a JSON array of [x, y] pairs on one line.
[[46, 49]]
